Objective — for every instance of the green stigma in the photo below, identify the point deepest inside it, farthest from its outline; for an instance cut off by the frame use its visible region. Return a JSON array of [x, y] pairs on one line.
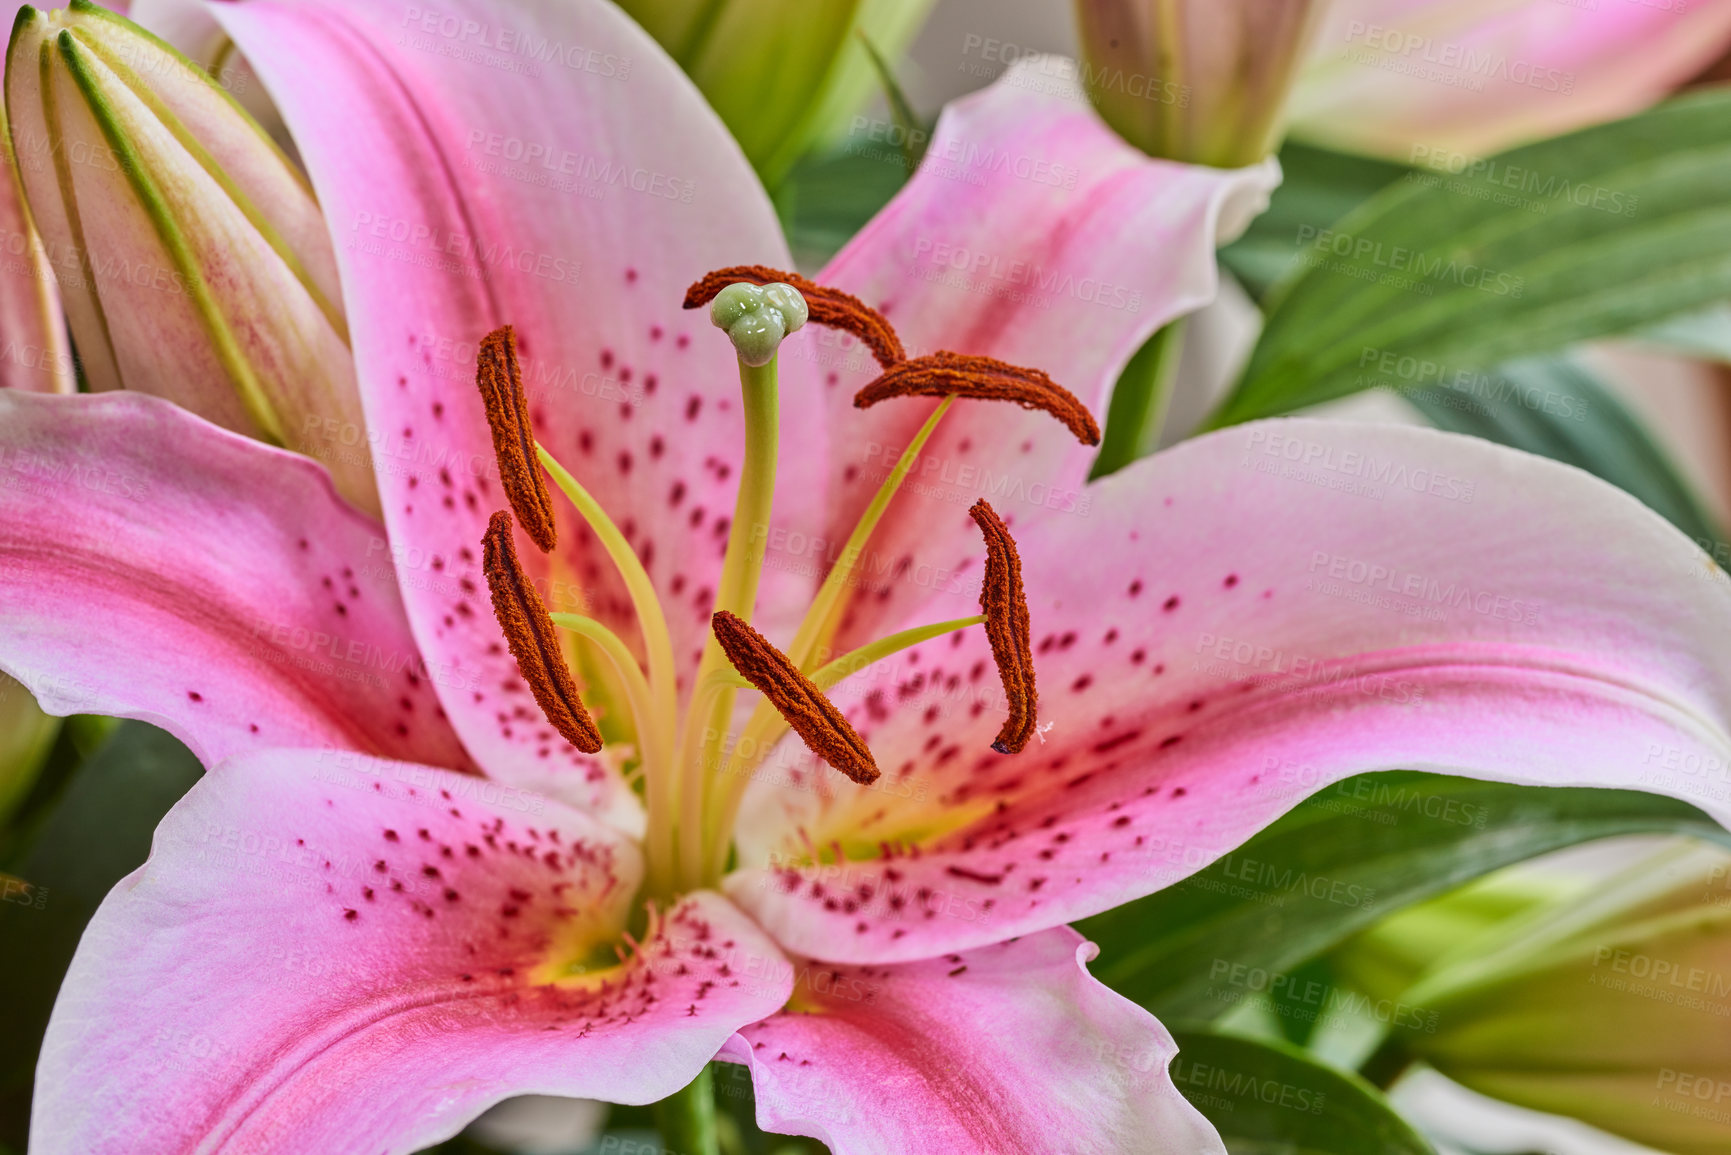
[[756, 319]]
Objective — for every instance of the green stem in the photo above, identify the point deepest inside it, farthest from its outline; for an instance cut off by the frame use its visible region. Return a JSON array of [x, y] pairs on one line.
[[686, 1119], [747, 541], [658, 643], [1139, 401], [820, 619]]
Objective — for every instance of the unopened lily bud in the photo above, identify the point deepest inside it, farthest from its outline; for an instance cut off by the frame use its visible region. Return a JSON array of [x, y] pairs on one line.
[[192, 258], [782, 76], [1200, 81], [1610, 1006]]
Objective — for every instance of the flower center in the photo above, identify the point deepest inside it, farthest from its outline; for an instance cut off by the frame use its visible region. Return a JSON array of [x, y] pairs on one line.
[[694, 769]]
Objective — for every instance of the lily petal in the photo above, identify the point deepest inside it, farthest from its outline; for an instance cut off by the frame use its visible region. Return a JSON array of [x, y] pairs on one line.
[[543, 165], [999, 1049], [133, 583], [1239, 622], [1032, 234], [329, 953], [1461, 79]]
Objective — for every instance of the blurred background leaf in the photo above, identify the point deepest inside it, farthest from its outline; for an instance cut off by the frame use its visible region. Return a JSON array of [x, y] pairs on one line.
[[94, 831], [1269, 1098], [1607, 229], [1337, 863]]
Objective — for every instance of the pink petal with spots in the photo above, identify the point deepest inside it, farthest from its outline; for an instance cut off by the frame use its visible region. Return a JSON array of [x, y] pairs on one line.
[[334, 953], [154, 566], [1031, 233], [1237, 623], [1009, 1048], [544, 165], [1441, 83]]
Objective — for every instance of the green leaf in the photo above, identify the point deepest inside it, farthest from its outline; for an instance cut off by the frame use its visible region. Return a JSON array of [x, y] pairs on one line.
[[98, 832], [1599, 232], [1139, 401], [1317, 188], [1272, 1099], [826, 200], [1339, 861], [1555, 408]]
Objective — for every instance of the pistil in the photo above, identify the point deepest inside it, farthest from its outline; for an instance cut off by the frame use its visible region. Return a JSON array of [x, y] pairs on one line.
[[756, 319]]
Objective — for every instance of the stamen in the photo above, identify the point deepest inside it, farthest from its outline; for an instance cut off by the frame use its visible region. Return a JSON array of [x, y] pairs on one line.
[[529, 631], [501, 385], [985, 379], [811, 715], [1006, 610], [831, 308]]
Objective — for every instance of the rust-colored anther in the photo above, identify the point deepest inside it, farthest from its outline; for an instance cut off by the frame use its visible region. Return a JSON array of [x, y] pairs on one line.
[[811, 715], [529, 632], [986, 379], [1006, 610], [501, 385], [829, 307]]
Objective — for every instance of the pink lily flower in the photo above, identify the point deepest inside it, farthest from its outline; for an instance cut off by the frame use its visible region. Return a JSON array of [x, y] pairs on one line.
[[1434, 81], [346, 939]]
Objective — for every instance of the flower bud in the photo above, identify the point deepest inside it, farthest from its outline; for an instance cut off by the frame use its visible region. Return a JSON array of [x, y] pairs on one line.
[[781, 76], [1611, 1005], [1200, 81], [192, 258]]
